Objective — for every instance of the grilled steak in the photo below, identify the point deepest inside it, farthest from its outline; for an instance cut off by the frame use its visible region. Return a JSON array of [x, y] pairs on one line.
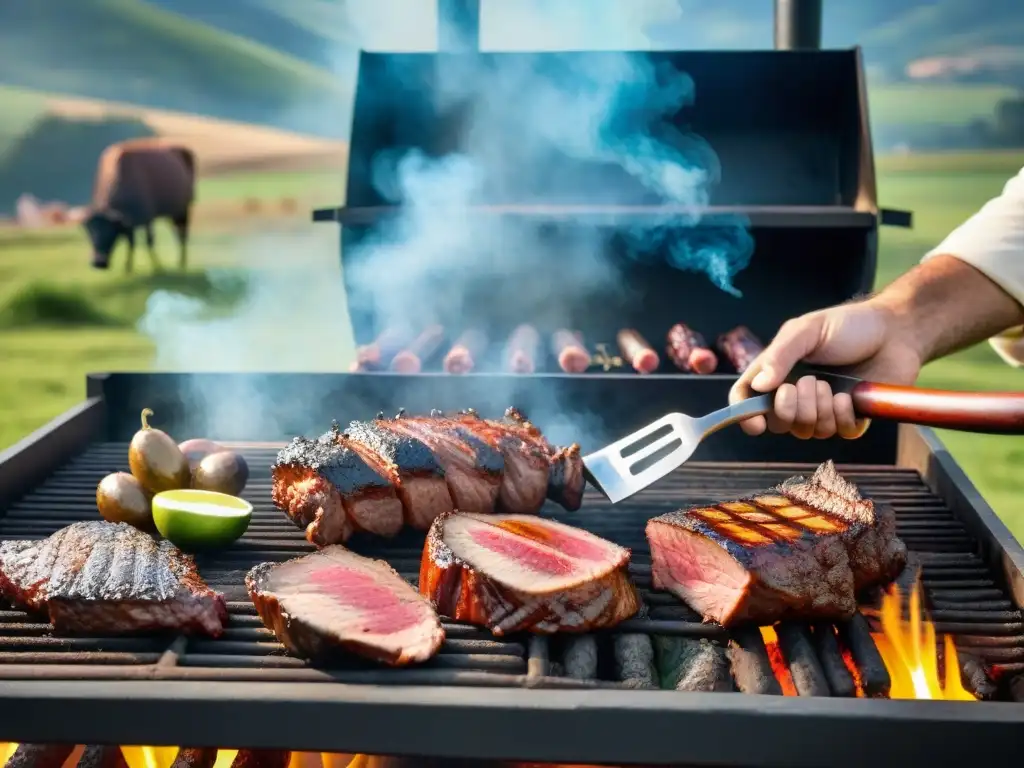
[[525, 481], [472, 468], [377, 475], [799, 551], [513, 573], [110, 578], [565, 465], [877, 555], [408, 464], [335, 599], [326, 487]]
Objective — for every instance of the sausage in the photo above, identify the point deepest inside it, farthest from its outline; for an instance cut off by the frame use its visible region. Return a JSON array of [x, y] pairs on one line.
[[740, 347], [637, 352], [423, 347], [462, 357], [568, 348], [521, 353], [377, 355], [687, 349]]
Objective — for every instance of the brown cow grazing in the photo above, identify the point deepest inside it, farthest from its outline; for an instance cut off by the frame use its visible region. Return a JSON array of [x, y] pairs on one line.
[[137, 182]]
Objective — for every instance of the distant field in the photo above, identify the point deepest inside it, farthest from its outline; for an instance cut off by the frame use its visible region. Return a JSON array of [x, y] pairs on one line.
[[130, 50], [933, 104]]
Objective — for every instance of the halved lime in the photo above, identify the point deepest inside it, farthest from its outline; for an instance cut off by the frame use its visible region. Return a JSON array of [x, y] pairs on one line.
[[195, 520]]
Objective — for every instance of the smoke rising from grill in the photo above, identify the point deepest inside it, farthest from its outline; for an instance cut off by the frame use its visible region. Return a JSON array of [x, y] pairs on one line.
[[544, 131]]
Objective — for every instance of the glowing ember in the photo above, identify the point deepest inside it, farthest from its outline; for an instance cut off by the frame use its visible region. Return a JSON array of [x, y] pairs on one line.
[[910, 651], [778, 662], [163, 757]]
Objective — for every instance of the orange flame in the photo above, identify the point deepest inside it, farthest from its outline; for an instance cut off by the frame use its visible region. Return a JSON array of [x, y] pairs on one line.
[[910, 652]]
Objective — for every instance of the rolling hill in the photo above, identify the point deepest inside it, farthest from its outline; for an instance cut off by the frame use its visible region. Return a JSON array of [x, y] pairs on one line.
[[131, 51]]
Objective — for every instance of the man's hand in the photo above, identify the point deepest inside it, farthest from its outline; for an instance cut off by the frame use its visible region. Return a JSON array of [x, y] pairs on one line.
[[864, 335]]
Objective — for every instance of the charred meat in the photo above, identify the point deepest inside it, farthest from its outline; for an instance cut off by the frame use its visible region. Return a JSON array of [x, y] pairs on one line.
[[802, 550], [97, 577], [472, 468], [524, 483], [740, 347], [688, 351], [328, 489], [408, 464], [378, 475], [335, 600], [515, 573]]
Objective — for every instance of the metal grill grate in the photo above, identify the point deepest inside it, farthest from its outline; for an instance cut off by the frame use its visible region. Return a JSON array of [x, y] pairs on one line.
[[964, 598]]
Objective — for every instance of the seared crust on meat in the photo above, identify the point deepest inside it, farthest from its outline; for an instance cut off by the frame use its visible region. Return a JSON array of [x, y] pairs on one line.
[[802, 550], [326, 487], [100, 577]]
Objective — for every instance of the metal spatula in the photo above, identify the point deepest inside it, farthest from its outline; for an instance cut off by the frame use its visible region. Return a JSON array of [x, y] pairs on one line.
[[612, 470], [633, 463]]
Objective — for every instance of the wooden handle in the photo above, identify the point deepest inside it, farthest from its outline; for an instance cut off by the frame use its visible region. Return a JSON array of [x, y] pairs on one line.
[[989, 412]]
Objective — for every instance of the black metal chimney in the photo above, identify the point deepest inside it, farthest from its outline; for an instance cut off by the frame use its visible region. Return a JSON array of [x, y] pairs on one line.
[[797, 24], [458, 25]]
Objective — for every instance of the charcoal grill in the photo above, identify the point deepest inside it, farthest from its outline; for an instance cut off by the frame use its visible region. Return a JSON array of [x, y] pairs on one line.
[[796, 156], [484, 697]]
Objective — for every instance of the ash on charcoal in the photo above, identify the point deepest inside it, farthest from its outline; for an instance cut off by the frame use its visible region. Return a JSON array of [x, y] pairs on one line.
[[692, 665], [580, 657], [751, 667], [634, 660], [40, 755], [97, 756]]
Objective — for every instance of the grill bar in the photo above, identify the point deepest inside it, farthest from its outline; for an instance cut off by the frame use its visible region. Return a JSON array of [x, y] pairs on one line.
[[964, 597], [955, 576]]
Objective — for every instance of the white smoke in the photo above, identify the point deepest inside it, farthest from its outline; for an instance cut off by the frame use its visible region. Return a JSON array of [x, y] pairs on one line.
[[595, 110]]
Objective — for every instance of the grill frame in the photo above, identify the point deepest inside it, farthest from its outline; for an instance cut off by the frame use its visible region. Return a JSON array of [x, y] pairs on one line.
[[568, 725]]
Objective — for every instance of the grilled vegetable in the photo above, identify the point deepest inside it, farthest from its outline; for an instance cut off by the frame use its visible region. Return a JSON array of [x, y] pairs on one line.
[[155, 459], [197, 449], [122, 499], [224, 472]]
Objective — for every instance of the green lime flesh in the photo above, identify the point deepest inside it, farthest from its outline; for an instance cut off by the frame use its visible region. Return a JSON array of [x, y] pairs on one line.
[[195, 520]]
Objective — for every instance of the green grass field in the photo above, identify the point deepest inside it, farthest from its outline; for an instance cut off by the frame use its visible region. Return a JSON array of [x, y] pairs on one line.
[[59, 319]]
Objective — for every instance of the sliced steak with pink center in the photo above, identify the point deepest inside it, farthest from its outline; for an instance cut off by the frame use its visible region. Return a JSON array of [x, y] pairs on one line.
[[515, 573], [335, 600]]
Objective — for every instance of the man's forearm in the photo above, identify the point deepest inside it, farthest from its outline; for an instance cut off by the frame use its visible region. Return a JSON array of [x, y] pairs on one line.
[[944, 305]]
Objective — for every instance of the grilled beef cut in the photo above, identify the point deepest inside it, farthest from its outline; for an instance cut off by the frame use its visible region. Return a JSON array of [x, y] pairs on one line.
[[802, 550], [335, 599], [378, 475], [877, 555], [472, 468], [408, 464], [109, 578], [524, 484], [326, 487], [515, 573]]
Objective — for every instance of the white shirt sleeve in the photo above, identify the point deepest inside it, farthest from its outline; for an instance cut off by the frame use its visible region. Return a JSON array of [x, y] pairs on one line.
[[992, 241]]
